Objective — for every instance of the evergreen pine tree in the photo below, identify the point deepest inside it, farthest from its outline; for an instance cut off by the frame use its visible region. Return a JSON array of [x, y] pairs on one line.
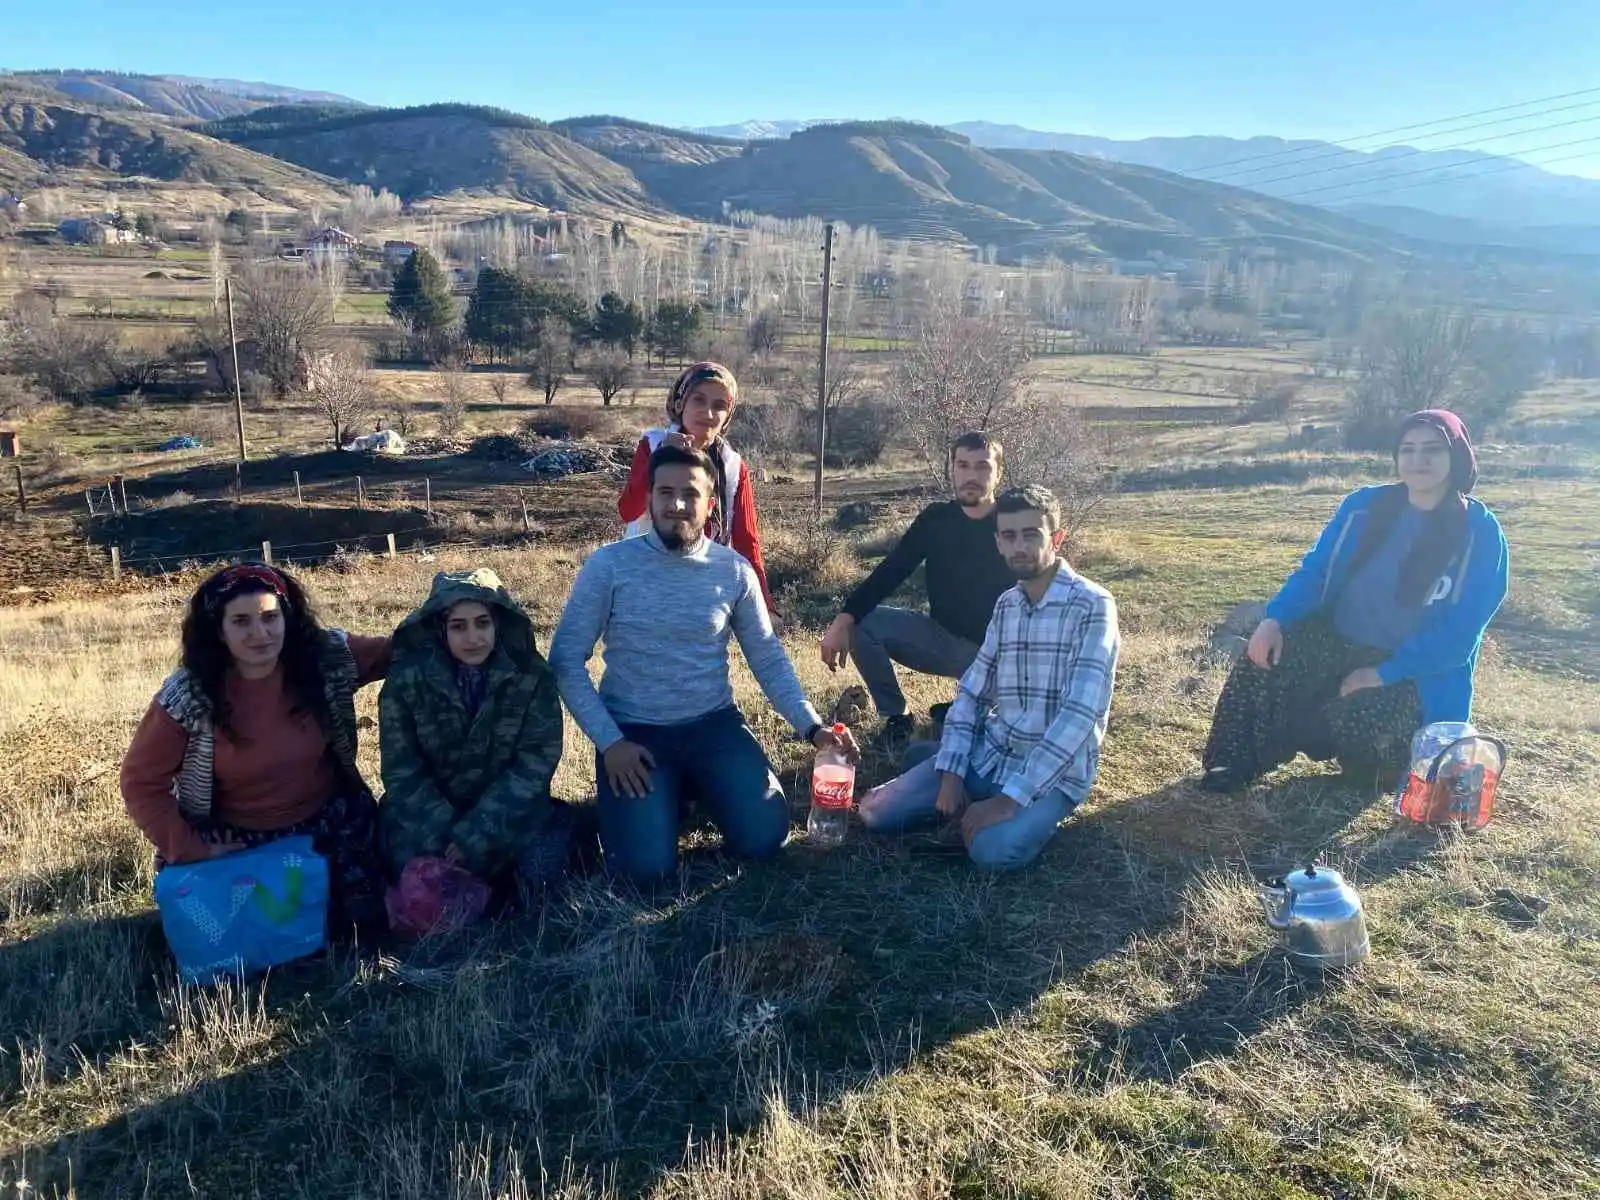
[[420, 300], [618, 322]]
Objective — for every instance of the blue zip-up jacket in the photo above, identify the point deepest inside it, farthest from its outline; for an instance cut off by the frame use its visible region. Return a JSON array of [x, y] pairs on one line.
[[1443, 653]]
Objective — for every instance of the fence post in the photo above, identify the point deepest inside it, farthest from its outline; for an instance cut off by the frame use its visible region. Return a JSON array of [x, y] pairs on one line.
[[389, 538], [116, 565], [266, 553], [122, 487], [22, 490], [361, 493], [427, 489], [523, 500], [299, 497]]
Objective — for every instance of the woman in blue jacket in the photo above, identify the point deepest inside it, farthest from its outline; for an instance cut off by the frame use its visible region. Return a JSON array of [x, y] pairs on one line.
[[1378, 631]]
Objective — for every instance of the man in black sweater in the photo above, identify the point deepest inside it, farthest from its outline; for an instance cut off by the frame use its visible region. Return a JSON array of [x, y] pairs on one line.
[[965, 576]]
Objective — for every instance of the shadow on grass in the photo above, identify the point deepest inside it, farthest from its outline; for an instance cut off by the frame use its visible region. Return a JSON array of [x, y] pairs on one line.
[[615, 1032]]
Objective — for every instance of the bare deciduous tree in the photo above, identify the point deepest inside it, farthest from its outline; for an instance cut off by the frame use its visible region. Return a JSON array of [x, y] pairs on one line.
[[341, 388], [453, 399], [765, 334], [499, 387], [972, 373], [288, 313], [551, 358], [610, 370], [960, 373], [67, 359], [1434, 358]]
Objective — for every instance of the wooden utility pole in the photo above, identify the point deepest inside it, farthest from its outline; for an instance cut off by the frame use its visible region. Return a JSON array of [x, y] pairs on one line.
[[238, 387], [822, 362]]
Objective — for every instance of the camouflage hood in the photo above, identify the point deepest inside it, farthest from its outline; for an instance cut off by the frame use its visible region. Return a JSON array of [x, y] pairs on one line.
[[420, 637], [478, 780]]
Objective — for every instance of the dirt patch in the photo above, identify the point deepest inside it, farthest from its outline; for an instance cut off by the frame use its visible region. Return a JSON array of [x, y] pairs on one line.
[[217, 478], [152, 542], [40, 556]]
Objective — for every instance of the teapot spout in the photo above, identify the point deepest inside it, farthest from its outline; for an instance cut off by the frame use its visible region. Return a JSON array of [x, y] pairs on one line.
[[1274, 899]]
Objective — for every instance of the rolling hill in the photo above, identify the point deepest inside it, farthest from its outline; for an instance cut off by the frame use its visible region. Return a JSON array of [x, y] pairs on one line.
[[920, 181], [1493, 190], [1462, 184], [439, 149], [42, 137], [654, 154], [179, 96]]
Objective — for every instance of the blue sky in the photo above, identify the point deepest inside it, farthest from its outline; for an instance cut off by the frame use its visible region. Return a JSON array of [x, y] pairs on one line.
[[1235, 67]]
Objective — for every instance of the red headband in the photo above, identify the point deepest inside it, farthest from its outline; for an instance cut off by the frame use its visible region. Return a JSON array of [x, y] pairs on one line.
[[233, 581]]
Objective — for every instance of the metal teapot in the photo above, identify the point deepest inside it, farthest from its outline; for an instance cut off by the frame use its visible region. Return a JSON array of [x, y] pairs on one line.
[[1319, 917]]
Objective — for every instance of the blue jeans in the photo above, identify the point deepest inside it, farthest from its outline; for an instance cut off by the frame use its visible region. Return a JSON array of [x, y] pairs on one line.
[[715, 760], [911, 798]]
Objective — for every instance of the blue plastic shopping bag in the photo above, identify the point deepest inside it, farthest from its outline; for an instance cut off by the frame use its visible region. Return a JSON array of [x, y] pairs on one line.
[[246, 911]]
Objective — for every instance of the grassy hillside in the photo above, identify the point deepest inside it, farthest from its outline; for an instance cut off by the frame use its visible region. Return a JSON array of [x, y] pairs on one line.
[[915, 180], [48, 137], [176, 96], [438, 149], [637, 142]]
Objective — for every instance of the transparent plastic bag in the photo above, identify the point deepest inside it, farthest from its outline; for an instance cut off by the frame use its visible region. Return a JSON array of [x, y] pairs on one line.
[[1455, 772]]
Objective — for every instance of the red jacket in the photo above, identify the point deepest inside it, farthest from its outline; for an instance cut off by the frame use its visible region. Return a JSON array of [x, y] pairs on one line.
[[739, 530]]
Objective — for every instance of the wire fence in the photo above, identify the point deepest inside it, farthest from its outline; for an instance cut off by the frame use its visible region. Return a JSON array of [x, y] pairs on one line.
[[372, 545], [417, 524]]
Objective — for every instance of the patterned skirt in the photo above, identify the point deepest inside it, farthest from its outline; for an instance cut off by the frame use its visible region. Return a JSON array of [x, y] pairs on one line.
[[1264, 718]]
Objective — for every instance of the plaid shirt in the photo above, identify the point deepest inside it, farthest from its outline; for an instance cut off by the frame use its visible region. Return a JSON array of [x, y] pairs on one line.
[[1030, 713]]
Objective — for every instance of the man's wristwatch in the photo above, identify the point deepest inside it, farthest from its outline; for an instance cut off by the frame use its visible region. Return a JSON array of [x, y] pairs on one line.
[[810, 735]]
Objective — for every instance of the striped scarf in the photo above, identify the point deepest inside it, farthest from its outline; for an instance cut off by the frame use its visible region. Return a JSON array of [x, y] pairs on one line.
[[182, 699]]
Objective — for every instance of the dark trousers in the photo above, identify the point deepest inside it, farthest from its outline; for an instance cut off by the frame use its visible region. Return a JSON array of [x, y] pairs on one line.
[[714, 760], [1265, 717]]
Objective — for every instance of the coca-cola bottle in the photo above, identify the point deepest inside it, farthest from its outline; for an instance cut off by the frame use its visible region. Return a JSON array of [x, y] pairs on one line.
[[833, 786]]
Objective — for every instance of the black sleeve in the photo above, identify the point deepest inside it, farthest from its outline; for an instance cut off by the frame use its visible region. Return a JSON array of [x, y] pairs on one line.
[[897, 566]]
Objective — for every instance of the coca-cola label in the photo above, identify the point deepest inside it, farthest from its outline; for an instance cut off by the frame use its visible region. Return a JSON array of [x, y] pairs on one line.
[[829, 793]]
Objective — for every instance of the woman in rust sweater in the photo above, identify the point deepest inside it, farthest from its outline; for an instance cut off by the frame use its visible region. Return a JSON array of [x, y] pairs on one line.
[[253, 738]]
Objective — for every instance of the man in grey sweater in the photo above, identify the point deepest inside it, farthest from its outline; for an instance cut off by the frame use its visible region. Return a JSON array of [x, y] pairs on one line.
[[663, 721]]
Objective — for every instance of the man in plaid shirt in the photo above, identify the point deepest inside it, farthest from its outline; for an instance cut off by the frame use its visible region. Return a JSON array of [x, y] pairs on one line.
[[1022, 741]]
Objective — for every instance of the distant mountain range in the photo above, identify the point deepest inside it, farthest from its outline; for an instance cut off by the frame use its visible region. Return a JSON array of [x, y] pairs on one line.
[[902, 178], [1489, 198], [1023, 191]]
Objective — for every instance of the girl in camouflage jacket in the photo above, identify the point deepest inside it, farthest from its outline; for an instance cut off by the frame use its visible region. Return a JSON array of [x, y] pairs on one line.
[[470, 725]]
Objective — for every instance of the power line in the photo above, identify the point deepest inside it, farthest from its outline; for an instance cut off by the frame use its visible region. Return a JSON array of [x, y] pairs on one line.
[[1439, 172], [1483, 112], [1370, 164], [1365, 158]]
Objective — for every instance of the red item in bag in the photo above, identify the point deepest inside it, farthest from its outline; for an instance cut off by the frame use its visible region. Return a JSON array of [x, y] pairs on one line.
[[434, 895]]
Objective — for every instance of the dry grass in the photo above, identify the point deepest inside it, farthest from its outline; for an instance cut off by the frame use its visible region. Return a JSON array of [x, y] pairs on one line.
[[861, 1023]]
